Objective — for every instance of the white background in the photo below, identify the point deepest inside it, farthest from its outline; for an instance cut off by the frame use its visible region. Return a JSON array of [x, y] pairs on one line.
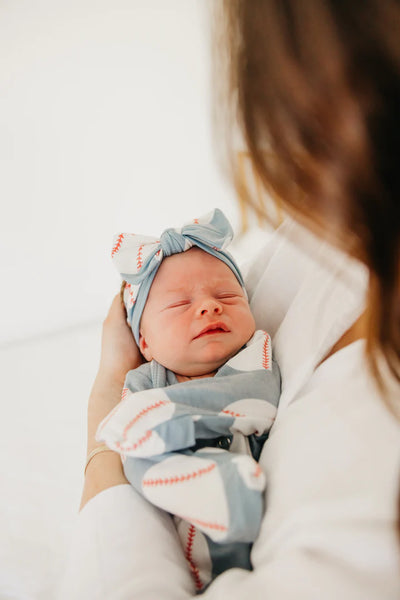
[[104, 126]]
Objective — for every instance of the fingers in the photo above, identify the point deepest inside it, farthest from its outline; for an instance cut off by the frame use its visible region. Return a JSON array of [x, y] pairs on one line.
[[116, 310]]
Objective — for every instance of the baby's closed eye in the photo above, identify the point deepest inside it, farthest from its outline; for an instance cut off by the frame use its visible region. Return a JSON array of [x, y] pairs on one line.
[[178, 304], [229, 296]]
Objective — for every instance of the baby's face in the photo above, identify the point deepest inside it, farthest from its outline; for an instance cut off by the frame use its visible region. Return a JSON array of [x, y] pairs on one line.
[[196, 316]]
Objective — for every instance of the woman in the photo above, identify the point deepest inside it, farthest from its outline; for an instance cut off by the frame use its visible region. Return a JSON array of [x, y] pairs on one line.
[[317, 86]]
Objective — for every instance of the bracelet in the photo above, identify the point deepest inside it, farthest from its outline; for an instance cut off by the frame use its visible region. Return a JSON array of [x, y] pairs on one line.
[[92, 454]]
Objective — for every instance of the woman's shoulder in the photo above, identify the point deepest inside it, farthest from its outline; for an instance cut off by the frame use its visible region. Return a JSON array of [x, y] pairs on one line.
[[306, 294], [294, 261], [288, 245]]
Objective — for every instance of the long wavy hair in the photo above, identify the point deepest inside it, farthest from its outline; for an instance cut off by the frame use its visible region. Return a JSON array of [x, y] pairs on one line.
[[315, 89]]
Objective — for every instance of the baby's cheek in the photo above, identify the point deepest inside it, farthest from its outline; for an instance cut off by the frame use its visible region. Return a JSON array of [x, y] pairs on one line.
[[249, 325]]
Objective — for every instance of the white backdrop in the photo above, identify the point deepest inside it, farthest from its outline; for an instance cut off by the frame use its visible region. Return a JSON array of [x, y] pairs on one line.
[[104, 127]]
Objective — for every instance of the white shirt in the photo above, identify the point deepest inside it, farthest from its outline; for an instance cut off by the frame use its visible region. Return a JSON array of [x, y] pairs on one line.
[[332, 461]]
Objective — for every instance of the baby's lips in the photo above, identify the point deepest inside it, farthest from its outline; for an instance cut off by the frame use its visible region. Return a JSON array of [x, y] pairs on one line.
[[217, 325]]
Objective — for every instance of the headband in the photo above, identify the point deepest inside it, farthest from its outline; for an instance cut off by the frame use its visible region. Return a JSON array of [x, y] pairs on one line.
[[137, 257]]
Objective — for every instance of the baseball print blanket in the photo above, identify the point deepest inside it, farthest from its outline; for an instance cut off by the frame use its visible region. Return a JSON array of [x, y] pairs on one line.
[[191, 448]]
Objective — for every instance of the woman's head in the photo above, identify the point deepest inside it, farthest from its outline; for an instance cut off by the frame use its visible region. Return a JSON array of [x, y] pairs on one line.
[[315, 87]]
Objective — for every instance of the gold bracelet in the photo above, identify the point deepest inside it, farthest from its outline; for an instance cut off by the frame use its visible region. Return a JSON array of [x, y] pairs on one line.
[[102, 448]]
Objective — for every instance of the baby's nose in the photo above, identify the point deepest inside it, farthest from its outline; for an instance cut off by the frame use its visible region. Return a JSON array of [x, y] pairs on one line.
[[210, 306]]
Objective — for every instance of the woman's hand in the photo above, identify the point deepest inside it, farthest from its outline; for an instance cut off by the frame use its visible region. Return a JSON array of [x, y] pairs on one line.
[[119, 354]]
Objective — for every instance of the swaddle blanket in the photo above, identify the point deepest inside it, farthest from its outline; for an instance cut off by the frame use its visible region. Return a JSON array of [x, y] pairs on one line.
[[157, 431]]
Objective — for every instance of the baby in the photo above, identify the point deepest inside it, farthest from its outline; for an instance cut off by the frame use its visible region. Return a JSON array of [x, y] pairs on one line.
[[193, 419]]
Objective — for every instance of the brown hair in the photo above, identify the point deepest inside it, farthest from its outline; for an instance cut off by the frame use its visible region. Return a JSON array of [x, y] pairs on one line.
[[121, 292], [315, 89]]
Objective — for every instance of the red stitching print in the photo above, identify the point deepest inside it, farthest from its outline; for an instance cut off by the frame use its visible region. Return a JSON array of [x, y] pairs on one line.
[[139, 258], [144, 412], [265, 352], [233, 414], [258, 471], [178, 478], [124, 393], [117, 244], [189, 557], [129, 289], [140, 441], [207, 524]]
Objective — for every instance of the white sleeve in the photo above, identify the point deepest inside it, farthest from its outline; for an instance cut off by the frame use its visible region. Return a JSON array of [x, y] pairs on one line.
[[138, 556], [124, 548]]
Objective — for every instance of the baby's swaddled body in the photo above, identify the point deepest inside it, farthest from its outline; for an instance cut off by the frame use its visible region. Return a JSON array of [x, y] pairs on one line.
[[193, 419], [191, 448]]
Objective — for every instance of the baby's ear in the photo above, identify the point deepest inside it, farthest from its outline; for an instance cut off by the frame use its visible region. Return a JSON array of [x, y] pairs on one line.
[[144, 348]]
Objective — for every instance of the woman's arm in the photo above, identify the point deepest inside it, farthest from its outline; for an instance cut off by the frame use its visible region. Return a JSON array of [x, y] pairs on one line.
[[329, 528], [119, 354], [330, 525]]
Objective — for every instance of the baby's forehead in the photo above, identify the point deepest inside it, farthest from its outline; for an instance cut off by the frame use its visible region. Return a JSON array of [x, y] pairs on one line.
[[190, 268]]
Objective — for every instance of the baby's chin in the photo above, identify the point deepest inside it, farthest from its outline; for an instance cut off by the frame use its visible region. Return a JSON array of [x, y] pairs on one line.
[[206, 360], [197, 371], [202, 369]]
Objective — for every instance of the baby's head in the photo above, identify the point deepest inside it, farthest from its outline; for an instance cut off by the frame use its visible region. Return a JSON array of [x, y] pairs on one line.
[[194, 314]]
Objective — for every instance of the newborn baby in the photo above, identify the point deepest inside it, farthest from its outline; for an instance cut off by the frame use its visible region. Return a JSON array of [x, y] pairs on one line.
[[193, 419]]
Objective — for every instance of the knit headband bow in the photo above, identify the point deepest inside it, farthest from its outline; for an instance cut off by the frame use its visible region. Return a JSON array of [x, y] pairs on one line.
[[137, 257]]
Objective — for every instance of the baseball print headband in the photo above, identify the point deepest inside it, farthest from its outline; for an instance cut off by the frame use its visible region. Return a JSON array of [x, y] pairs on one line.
[[137, 257]]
